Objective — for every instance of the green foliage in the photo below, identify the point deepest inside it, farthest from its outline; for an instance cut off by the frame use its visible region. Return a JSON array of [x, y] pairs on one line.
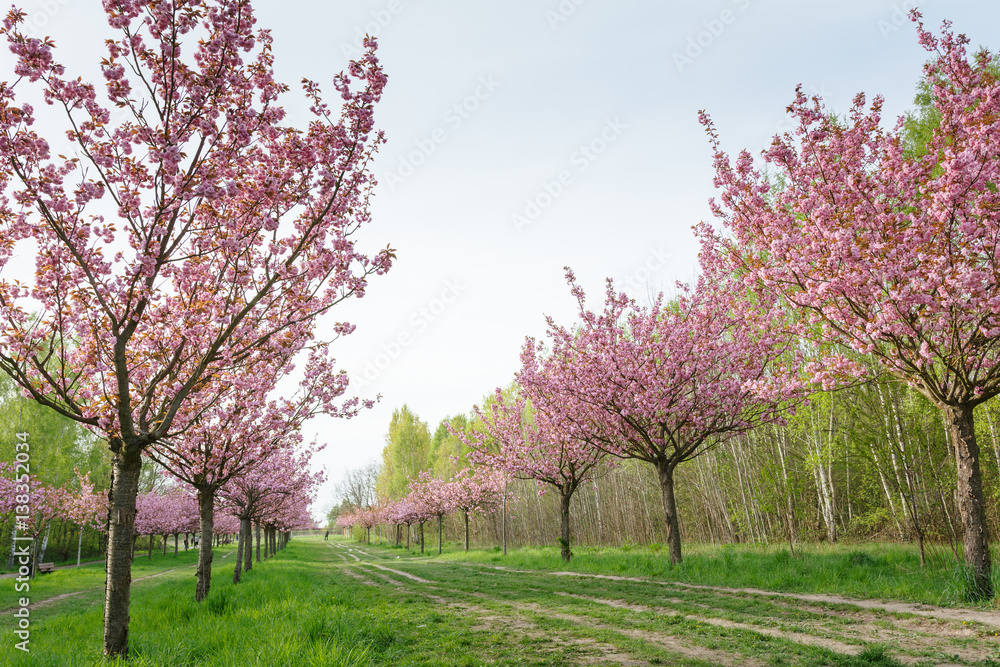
[[448, 453], [58, 444], [406, 453]]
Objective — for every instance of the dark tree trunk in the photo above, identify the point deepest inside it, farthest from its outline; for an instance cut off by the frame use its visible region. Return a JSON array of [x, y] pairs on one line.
[[971, 502], [665, 472], [421, 537], [440, 521], [407, 537], [257, 527], [238, 568], [564, 498], [206, 509], [246, 529], [466, 531], [125, 468]]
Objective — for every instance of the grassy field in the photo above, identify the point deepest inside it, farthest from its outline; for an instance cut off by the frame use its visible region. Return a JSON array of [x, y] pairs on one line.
[[343, 603]]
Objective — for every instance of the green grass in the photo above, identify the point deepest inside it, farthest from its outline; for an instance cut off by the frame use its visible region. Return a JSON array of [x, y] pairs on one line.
[[297, 609], [879, 571], [91, 577], [308, 607]]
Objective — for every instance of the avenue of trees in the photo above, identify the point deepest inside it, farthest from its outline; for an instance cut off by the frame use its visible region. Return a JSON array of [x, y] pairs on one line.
[[827, 374]]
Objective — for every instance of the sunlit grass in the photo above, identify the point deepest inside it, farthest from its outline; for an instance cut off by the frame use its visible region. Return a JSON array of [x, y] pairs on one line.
[[881, 571]]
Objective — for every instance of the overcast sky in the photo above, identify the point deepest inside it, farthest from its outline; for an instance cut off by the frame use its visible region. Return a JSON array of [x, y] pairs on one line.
[[528, 135]]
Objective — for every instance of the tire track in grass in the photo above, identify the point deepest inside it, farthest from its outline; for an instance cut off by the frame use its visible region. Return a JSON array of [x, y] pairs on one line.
[[349, 571], [671, 642], [489, 620], [797, 637], [412, 577], [932, 635], [664, 640], [384, 577], [990, 618], [342, 556], [608, 651]]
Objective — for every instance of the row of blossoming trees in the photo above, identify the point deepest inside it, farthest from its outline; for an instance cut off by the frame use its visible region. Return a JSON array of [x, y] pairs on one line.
[[188, 238], [861, 254], [277, 504], [468, 491]]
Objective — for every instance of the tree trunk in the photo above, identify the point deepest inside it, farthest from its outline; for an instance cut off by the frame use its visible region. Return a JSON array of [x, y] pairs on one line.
[[45, 544], [79, 548], [665, 472], [13, 546], [246, 529], [176, 537], [240, 546], [125, 468], [206, 509], [257, 530], [421, 538], [503, 519], [564, 499], [440, 521], [971, 504], [466, 531]]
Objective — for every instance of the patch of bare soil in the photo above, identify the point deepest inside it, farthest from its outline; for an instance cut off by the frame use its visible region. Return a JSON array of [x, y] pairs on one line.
[[990, 618], [354, 575], [985, 617], [402, 574], [384, 577], [486, 619], [915, 636], [797, 637], [940, 631], [671, 643]]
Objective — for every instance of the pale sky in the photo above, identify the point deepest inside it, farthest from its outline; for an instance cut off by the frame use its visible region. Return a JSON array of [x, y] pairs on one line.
[[528, 135]]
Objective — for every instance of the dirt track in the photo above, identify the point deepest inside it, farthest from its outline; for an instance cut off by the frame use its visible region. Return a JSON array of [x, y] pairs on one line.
[[605, 615]]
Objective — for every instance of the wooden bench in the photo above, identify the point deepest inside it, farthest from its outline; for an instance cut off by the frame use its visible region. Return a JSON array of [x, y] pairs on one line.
[[46, 567]]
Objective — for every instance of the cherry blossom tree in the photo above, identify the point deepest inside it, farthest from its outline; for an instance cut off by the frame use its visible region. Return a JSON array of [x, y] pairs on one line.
[[662, 384], [261, 490], [435, 497], [477, 488], [85, 508], [36, 505], [244, 430], [185, 232], [539, 443], [347, 520], [404, 512], [891, 254]]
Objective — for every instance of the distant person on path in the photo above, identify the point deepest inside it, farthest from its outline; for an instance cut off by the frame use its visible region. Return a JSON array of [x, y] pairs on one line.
[[327, 535]]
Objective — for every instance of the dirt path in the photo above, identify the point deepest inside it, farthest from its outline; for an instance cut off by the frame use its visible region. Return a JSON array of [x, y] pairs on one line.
[[990, 618], [912, 633]]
